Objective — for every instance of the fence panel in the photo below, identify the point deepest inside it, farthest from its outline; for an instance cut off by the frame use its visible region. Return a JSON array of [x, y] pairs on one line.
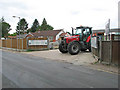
[[115, 52], [8, 43], [0, 43], [14, 43], [3, 43], [20, 43], [105, 54], [24, 44], [95, 51]]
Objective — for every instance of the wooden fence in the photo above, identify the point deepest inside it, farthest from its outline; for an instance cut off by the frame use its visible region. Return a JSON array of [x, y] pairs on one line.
[[14, 43], [22, 44], [108, 50]]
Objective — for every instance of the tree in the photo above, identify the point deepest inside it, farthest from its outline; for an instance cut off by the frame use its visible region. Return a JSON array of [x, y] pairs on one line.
[[22, 26], [14, 34], [4, 28], [45, 26], [35, 26], [28, 30]]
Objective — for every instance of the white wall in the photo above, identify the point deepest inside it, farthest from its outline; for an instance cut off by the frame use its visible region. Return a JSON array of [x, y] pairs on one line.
[[57, 36]]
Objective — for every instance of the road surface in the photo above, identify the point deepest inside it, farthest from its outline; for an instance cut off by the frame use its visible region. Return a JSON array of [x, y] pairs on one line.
[[25, 71]]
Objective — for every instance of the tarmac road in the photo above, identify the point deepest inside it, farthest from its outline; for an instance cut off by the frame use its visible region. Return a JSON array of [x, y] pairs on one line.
[[27, 71]]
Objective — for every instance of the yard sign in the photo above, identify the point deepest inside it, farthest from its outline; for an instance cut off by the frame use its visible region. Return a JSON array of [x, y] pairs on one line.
[[94, 42], [107, 27], [37, 42]]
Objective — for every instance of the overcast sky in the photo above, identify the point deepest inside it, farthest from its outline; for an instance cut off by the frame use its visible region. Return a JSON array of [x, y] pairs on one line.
[[61, 14], [119, 15]]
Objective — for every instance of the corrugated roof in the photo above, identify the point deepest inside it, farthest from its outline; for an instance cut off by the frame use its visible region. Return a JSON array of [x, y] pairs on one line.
[[103, 30]]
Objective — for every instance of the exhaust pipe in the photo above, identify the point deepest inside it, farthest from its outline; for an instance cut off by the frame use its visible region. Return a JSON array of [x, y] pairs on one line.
[[72, 31]]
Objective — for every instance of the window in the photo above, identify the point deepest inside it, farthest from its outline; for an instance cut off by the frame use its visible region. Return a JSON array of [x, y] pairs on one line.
[[40, 37], [50, 38]]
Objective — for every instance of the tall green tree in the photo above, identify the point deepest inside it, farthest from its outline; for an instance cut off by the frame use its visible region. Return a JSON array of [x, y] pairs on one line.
[[28, 30], [4, 28], [35, 26], [45, 26], [14, 34], [22, 26]]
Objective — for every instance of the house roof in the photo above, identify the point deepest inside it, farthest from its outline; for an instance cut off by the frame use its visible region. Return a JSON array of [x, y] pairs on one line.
[[41, 33], [11, 37], [22, 35], [47, 33]]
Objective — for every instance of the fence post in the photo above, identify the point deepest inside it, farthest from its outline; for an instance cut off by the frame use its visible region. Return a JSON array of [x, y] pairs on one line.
[[11, 42], [17, 45], [6, 43], [1, 43], [27, 43], [48, 43], [100, 52], [106, 37], [111, 41], [22, 44]]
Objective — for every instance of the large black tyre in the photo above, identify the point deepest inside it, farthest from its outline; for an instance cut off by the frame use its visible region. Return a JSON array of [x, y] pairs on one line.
[[62, 49], [73, 48]]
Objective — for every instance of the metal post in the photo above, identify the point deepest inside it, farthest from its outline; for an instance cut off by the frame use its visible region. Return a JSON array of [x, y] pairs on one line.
[[19, 31]]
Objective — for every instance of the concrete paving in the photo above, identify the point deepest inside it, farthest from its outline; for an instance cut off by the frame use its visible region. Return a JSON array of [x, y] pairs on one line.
[[83, 58]]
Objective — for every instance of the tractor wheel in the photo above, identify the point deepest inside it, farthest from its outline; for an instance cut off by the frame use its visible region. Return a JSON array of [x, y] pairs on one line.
[[62, 49], [73, 48]]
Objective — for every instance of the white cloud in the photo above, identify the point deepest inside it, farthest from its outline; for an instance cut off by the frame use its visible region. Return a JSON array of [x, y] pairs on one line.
[[62, 13]]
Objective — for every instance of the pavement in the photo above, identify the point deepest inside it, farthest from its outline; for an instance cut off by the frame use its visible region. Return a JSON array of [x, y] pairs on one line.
[[83, 58], [28, 71]]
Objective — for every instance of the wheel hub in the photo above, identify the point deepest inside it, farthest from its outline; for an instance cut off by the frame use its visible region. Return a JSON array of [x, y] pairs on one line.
[[74, 48]]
